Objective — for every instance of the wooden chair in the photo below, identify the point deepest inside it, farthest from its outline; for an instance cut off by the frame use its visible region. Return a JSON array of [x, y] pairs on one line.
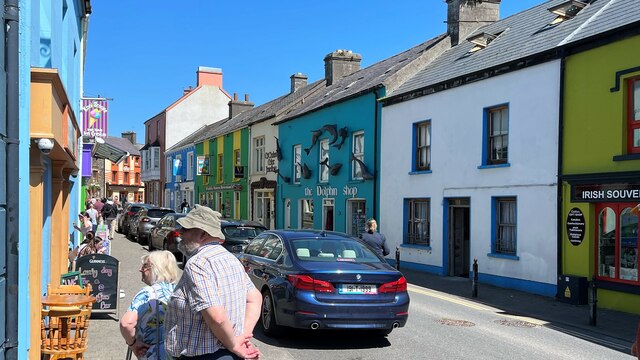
[[64, 332], [69, 289]]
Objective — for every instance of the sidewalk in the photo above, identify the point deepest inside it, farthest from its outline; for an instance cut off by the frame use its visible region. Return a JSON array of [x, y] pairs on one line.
[[614, 329]]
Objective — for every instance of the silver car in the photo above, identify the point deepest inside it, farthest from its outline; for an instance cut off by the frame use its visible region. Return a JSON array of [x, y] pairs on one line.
[[146, 219]]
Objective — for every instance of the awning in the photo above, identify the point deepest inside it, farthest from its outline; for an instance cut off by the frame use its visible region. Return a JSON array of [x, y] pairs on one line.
[[105, 150]]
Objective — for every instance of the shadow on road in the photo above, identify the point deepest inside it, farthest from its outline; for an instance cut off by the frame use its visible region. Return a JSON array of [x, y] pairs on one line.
[[324, 340]]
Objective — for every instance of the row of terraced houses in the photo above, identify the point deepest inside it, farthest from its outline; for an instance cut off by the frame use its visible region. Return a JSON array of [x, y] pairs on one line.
[[512, 141]]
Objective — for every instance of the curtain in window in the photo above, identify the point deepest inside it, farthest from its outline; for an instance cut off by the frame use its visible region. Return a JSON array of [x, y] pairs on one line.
[[507, 227]]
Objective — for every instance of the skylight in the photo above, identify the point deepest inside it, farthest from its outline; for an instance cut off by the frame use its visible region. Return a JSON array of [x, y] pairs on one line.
[[566, 10], [481, 40]]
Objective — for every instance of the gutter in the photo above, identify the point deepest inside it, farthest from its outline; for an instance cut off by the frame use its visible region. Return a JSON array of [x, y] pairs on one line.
[[376, 178], [560, 152], [12, 140]]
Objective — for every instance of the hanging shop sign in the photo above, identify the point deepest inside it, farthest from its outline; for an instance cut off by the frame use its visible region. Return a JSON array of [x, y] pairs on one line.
[[95, 117], [238, 172], [605, 193], [575, 226], [272, 158]]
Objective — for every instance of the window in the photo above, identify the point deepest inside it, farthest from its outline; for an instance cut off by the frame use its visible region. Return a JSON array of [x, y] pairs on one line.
[[136, 160], [358, 152], [220, 167], [137, 177], [418, 222], [190, 166], [126, 177], [504, 227], [306, 214], [258, 146], [236, 205], [147, 159], [219, 202], [324, 160], [497, 135], [617, 243], [114, 177], [156, 158], [168, 169], [633, 126], [297, 163], [422, 141]]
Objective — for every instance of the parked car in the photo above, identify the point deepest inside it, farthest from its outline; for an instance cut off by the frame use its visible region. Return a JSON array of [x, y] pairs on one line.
[[165, 234], [238, 233], [312, 279], [131, 227], [129, 210], [146, 219]]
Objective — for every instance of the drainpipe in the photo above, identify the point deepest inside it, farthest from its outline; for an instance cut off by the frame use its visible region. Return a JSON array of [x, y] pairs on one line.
[[11, 16], [376, 177], [560, 151]]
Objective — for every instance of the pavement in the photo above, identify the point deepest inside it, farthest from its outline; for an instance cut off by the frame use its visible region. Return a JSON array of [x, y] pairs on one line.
[[614, 329]]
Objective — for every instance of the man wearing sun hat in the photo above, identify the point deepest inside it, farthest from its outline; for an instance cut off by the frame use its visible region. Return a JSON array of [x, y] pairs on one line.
[[215, 306]]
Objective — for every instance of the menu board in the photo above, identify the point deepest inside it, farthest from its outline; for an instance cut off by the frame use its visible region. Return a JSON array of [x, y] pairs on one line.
[[101, 271]]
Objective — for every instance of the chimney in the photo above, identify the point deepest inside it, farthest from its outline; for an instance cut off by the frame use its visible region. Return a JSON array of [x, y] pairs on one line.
[[209, 76], [465, 16], [236, 106], [339, 64], [130, 135], [186, 91], [298, 81]]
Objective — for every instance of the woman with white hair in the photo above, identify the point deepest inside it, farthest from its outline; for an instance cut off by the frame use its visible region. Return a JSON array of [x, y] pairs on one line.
[[142, 326]]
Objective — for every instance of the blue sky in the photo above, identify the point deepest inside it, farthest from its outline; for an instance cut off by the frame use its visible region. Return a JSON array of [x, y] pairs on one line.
[[143, 53]]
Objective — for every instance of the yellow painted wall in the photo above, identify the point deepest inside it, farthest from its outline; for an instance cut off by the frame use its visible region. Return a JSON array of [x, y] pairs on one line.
[[578, 259], [594, 117]]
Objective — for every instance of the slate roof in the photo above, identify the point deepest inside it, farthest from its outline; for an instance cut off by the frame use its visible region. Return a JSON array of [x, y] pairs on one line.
[[187, 141], [364, 80], [524, 34], [122, 144]]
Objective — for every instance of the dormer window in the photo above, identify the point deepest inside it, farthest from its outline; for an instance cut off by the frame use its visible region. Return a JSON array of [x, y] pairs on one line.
[[566, 10], [481, 41]]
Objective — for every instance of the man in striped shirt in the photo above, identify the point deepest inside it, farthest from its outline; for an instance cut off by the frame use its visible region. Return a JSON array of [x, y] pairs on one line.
[[215, 306]]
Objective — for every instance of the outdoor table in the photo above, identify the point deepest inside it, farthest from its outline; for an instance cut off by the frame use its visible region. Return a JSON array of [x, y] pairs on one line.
[[64, 323], [67, 300]]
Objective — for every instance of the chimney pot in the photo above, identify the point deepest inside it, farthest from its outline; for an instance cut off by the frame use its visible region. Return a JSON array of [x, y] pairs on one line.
[[465, 16], [298, 81], [235, 96], [236, 107], [246, 97], [209, 76]]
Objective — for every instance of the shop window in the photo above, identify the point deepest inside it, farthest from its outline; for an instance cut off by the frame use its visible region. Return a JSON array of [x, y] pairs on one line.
[[306, 214], [617, 243], [504, 240], [417, 231], [633, 116]]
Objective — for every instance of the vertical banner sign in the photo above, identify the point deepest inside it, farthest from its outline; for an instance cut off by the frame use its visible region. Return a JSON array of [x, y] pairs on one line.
[[176, 166], [95, 118]]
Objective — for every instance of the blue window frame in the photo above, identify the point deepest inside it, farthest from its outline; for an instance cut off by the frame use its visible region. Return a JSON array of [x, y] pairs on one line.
[[495, 137], [504, 226], [417, 222], [421, 157]]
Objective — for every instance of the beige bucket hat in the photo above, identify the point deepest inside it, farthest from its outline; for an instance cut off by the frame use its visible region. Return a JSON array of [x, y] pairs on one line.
[[202, 217]]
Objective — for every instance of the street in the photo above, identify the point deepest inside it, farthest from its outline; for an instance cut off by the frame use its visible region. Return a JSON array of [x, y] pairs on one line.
[[440, 326]]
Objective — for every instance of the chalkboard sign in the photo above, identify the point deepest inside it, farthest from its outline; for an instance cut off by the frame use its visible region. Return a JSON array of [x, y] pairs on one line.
[[101, 271], [71, 278]]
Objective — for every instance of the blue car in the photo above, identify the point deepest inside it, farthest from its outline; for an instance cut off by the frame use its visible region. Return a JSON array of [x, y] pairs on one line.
[[314, 279]]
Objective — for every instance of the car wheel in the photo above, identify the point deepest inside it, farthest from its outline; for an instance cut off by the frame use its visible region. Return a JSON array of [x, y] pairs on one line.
[[150, 240], [141, 239], [268, 316]]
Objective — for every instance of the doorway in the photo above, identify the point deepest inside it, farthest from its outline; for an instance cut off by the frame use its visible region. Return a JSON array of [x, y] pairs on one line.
[[458, 237]]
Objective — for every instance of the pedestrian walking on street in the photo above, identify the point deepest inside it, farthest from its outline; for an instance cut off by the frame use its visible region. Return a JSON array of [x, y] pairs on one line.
[[215, 306], [142, 326], [93, 214], [374, 239], [184, 207], [110, 213]]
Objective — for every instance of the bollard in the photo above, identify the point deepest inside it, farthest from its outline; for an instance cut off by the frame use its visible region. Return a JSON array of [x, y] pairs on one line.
[[398, 258], [593, 302], [474, 286]]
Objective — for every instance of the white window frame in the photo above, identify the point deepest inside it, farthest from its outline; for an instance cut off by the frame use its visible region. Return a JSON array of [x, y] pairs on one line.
[[258, 150], [422, 146], [190, 166], [297, 163], [168, 171], [236, 204], [179, 176], [323, 153], [356, 169], [156, 157], [146, 156]]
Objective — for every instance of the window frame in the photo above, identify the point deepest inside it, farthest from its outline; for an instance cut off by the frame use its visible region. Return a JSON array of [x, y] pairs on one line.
[[156, 157], [618, 209], [259, 151], [487, 159], [168, 172], [633, 124], [220, 175], [358, 155], [323, 171], [297, 163], [190, 165], [417, 147], [407, 238], [496, 227], [125, 178]]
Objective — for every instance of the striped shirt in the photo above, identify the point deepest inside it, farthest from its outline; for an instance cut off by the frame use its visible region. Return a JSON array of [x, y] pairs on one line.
[[212, 277]]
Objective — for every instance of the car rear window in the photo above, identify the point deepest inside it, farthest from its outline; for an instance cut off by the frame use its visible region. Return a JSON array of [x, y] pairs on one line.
[[158, 213], [331, 250], [241, 232]]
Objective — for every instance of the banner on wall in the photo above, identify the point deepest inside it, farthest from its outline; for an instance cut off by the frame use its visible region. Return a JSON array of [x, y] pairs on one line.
[[203, 165], [95, 118], [177, 163]]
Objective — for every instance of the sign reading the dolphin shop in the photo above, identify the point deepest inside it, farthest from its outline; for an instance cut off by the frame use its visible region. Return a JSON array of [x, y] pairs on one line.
[[575, 226], [329, 191], [605, 193], [95, 117]]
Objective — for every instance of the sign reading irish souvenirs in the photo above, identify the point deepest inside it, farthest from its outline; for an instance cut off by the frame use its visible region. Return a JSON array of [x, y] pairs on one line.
[[605, 193], [575, 226]]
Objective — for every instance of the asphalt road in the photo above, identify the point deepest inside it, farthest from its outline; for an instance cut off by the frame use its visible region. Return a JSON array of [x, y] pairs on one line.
[[440, 326]]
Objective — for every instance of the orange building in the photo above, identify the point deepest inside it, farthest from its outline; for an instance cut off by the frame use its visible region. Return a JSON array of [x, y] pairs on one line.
[[122, 179]]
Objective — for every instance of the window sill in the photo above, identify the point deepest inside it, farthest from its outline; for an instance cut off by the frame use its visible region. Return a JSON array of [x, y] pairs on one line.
[[414, 246], [503, 256], [494, 166], [420, 172], [626, 157]]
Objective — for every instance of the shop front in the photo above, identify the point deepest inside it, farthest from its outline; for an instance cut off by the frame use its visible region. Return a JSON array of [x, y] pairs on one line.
[[228, 199], [600, 239]]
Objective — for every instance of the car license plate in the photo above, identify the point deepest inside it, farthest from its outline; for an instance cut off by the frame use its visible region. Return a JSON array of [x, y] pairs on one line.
[[357, 289]]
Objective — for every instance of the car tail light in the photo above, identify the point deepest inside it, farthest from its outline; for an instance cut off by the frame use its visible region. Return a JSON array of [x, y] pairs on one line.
[[172, 238], [306, 282], [395, 286], [145, 219]]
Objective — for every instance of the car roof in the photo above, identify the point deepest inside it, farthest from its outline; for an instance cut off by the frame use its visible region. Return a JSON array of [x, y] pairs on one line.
[[236, 222], [310, 234]]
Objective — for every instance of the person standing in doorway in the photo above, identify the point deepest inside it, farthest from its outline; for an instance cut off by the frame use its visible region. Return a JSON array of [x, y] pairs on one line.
[[184, 207], [204, 321], [374, 239]]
